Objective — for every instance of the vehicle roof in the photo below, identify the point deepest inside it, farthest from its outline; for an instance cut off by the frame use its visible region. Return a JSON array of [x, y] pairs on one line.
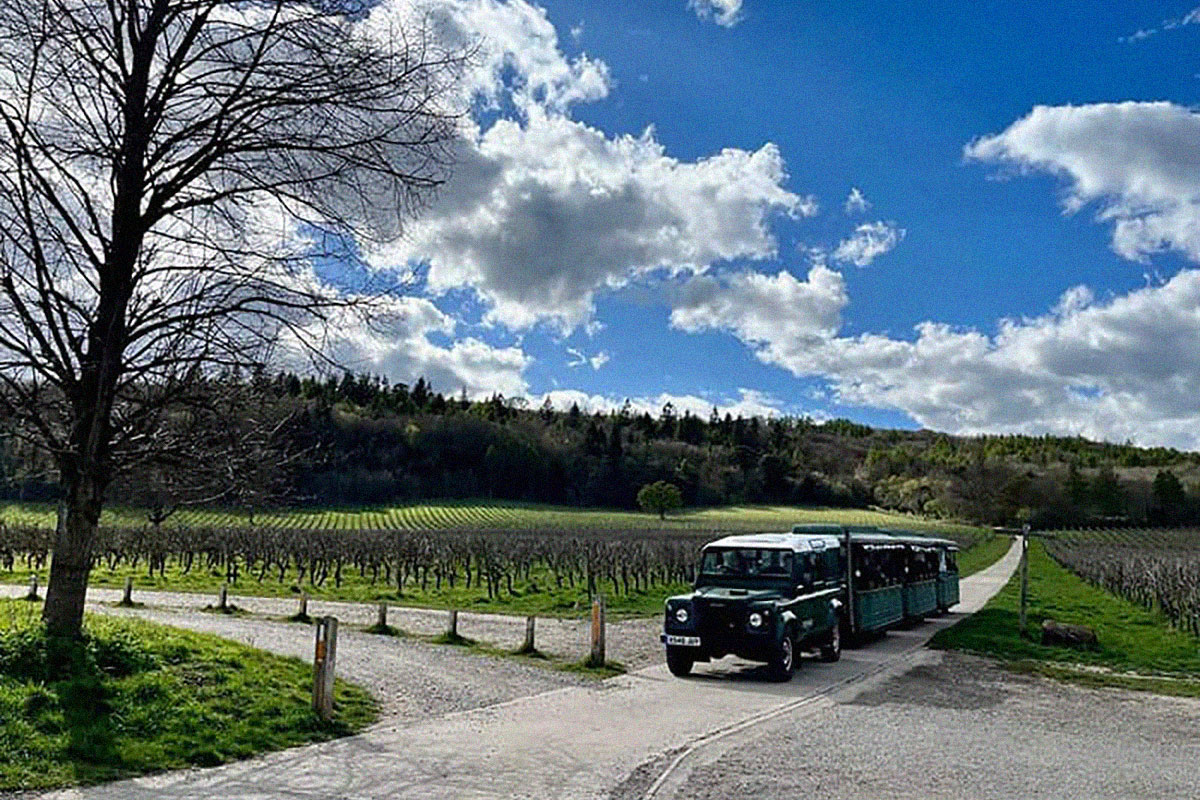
[[802, 538], [797, 542]]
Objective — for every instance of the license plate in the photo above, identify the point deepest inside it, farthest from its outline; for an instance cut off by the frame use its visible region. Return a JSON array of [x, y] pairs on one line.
[[682, 641]]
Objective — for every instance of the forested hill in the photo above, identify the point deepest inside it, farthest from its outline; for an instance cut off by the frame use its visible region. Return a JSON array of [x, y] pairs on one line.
[[360, 440]]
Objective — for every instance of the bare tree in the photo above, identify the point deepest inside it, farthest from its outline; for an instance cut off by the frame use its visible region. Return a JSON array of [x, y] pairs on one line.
[[169, 171]]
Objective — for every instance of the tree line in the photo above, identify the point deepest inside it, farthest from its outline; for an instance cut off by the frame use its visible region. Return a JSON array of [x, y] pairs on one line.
[[284, 440]]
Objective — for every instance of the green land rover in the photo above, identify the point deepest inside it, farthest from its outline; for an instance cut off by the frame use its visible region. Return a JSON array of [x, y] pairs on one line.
[[762, 597]]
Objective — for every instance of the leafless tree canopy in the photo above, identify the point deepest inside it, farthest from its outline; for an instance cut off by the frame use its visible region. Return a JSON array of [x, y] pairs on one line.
[[168, 171]]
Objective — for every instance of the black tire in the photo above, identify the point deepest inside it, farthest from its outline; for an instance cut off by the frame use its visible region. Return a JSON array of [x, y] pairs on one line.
[[679, 661], [832, 650], [782, 665]]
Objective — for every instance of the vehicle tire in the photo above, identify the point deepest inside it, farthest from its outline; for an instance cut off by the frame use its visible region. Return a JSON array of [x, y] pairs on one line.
[[679, 661], [832, 651], [783, 663]]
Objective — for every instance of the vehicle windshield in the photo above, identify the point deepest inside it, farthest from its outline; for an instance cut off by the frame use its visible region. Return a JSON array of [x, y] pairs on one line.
[[746, 562]]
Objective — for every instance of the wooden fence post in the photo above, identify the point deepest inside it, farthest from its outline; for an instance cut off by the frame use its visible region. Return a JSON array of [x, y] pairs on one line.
[[303, 612], [527, 646], [223, 598], [33, 588], [324, 660], [127, 596], [381, 617], [452, 630], [597, 659]]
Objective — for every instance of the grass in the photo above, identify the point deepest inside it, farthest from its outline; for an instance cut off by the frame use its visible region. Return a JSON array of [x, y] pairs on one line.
[[1138, 649], [135, 697], [987, 551], [495, 515]]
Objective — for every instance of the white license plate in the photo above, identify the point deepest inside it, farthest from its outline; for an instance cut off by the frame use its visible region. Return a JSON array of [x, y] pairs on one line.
[[683, 641]]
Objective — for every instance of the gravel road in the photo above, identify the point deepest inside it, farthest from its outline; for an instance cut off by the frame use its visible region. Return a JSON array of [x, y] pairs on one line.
[[957, 726]]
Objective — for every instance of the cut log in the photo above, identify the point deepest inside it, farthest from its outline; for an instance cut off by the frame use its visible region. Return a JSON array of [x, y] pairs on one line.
[[1060, 634]]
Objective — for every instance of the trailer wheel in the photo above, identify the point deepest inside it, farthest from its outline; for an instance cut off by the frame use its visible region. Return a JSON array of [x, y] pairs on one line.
[[679, 661]]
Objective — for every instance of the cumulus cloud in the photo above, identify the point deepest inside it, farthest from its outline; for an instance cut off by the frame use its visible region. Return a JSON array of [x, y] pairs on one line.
[[868, 242], [1139, 163], [726, 13], [762, 308], [856, 202], [398, 342], [544, 212], [1126, 368]]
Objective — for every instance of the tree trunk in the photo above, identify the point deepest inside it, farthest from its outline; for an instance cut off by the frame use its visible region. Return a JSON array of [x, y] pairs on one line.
[[78, 518]]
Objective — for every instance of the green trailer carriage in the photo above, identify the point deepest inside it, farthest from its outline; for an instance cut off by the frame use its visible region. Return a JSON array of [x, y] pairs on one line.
[[947, 580]]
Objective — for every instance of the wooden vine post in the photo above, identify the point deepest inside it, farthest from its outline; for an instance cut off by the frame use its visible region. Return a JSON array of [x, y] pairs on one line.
[[597, 658]]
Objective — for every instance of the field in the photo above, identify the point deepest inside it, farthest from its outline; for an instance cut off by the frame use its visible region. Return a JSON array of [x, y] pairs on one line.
[[495, 515], [551, 564]]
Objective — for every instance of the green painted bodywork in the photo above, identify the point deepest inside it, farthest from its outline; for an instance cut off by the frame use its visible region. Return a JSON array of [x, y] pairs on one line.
[[947, 589], [877, 609], [920, 598]]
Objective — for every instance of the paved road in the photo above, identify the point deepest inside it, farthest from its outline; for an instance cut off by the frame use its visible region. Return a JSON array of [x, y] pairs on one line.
[[576, 742]]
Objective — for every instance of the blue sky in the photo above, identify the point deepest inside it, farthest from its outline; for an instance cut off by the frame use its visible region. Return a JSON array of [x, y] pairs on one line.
[[651, 202]]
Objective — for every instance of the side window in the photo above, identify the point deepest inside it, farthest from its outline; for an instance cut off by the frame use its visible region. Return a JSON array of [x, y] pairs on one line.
[[808, 570]]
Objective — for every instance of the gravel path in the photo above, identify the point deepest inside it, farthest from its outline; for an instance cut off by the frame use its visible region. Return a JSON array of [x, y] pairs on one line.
[[632, 642], [958, 726], [411, 679]]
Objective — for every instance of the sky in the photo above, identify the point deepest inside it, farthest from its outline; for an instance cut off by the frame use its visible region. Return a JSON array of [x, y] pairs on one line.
[[970, 217]]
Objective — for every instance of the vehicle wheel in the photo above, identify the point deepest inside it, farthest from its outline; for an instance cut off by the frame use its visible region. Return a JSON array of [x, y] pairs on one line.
[[833, 650], [679, 661], [783, 664]]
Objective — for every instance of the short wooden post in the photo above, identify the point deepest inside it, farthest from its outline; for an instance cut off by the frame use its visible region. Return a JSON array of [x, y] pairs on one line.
[[381, 617], [127, 596], [303, 612], [324, 661], [452, 629], [223, 598], [597, 659], [33, 588], [527, 646]]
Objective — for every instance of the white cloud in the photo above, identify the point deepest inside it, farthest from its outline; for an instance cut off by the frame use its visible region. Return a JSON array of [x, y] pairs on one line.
[[868, 242], [748, 403], [578, 359], [856, 202], [726, 13], [397, 344], [762, 308], [1127, 368], [1190, 18], [1139, 162]]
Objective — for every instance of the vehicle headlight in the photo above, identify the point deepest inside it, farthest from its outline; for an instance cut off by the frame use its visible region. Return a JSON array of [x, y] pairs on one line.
[[756, 620], [681, 614]]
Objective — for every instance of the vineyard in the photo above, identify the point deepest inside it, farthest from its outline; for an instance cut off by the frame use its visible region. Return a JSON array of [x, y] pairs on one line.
[[1158, 569], [544, 567], [476, 515]]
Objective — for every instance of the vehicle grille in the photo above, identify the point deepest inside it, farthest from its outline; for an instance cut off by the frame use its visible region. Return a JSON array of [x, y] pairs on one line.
[[718, 619]]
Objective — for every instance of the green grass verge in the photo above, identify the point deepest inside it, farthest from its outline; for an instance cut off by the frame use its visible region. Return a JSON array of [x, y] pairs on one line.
[[135, 697], [1138, 649], [987, 551]]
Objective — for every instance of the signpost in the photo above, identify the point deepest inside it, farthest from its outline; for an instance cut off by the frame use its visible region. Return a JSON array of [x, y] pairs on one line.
[[1024, 532], [324, 660]]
